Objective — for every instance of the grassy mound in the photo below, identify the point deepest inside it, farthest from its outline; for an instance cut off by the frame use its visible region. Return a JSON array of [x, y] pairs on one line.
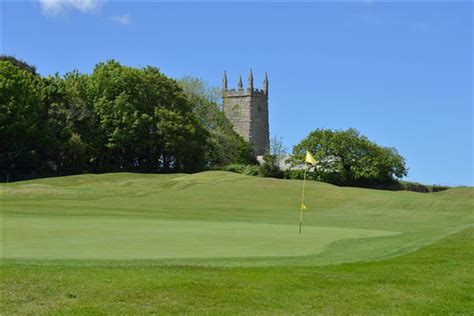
[[224, 243], [220, 219], [461, 193]]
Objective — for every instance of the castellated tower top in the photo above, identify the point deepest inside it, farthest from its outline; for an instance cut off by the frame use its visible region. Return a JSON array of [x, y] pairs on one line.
[[240, 86], [248, 111]]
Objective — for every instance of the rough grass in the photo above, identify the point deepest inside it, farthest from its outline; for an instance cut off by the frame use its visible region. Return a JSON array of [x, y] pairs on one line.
[[219, 242]]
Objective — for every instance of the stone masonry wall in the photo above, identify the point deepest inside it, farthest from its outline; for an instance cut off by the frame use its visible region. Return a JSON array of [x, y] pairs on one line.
[[248, 112]]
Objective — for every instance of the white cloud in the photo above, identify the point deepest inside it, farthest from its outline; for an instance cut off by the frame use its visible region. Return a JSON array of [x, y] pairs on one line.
[[57, 7], [122, 19]]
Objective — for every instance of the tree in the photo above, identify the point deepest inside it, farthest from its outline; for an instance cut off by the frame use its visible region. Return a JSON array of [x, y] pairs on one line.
[[22, 109], [65, 150], [146, 121], [225, 146], [36, 132], [19, 63], [84, 148], [278, 149], [199, 88], [270, 166], [348, 158], [116, 119]]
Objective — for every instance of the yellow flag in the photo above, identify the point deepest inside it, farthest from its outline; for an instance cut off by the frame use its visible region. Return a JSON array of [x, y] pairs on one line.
[[310, 159], [303, 207]]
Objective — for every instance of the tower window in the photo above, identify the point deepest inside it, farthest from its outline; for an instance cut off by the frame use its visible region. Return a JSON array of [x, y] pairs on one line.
[[236, 111]]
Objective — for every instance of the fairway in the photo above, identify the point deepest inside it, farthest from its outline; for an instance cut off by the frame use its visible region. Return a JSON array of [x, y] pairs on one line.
[[219, 218], [62, 237], [141, 243]]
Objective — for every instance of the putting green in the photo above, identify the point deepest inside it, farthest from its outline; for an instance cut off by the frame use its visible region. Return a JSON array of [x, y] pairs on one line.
[[75, 237], [220, 219]]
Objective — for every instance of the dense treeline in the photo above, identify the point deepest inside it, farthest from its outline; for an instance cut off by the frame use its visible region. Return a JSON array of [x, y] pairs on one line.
[[117, 118]]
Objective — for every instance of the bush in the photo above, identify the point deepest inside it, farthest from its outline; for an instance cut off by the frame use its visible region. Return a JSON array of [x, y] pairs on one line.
[[269, 167], [415, 187], [438, 188], [252, 170], [293, 174], [237, 168], [249, 170], [395, 186]]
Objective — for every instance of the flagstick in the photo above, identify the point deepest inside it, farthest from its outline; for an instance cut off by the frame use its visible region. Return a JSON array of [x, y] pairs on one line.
[[302, 200]]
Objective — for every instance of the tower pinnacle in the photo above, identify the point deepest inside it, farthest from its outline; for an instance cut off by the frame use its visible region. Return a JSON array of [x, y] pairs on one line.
[[224, 81], [265, 84], [239, 84], [250, 81]]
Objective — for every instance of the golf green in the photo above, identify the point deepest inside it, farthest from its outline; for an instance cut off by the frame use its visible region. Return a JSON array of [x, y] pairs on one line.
[[219, 219], [74, 237], [224, 243]]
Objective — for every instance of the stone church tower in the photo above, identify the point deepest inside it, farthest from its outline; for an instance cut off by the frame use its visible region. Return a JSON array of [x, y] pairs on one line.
[[247, 109]]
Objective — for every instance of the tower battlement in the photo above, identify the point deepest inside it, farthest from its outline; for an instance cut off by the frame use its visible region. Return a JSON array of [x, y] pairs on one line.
[[247, 109], [237, 93]]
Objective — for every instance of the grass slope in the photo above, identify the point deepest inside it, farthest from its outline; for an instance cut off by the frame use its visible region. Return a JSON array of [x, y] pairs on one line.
[[219, 242], [219, 218]]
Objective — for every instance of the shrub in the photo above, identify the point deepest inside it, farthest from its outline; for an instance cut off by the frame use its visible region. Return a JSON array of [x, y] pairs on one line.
[[237, 168], [252, 170], [438, 188], [269, 167], [249, 170], [415, 187], [293, 174]]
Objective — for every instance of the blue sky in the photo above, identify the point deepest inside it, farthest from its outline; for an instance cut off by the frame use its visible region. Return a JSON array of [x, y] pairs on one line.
[[400, 73]]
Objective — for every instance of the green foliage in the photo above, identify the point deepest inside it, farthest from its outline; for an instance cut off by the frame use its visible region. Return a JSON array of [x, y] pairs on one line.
[[439, 188], [237, 168], [146, 121], [83, 120], [270, 167], [116, 119], [74, 155], [19, 63], [277, 147], [225, 146], [294, 174], [199, 89], [22, 120], [348, 158], [58, 131], [249, 170], [414, 186], [36, 125]]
